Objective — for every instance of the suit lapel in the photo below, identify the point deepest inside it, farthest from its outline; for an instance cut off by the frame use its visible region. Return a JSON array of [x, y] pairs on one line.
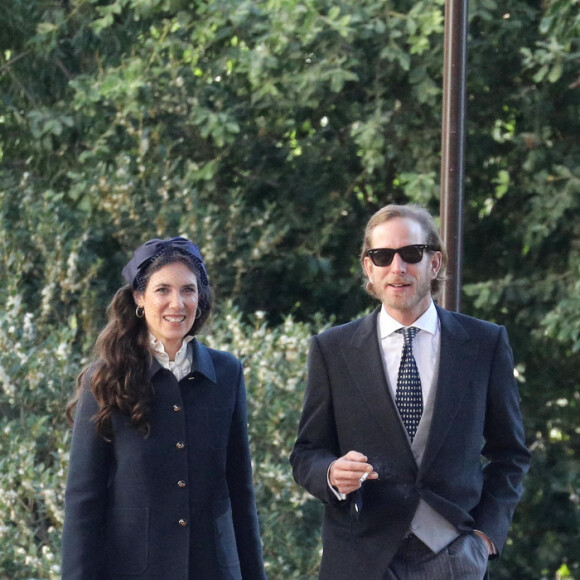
[[458, 355], [365, 363]]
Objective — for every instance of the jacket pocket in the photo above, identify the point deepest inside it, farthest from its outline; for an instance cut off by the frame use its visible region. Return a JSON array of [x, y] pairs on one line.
[[127, 541], [225, 536]]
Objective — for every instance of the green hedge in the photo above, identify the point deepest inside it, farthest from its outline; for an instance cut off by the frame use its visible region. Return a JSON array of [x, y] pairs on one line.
[[37, 377]]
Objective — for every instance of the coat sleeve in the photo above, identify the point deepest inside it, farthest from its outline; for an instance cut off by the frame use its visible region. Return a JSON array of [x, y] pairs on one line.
[[241, 490], [85, 497], [317, 443], [507, 457]]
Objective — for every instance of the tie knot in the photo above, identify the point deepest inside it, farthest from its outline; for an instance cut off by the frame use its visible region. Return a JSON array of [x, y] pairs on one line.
[[409, 333]]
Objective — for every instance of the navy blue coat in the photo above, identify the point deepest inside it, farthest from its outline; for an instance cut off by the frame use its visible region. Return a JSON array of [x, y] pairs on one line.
[[176, 505], [347, 407]]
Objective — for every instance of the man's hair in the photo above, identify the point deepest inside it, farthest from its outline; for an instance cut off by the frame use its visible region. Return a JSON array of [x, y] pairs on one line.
[[425, 220]]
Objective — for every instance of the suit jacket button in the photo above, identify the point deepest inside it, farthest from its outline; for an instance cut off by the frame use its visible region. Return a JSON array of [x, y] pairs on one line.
[[181, 483], [176, 408], [180, 445], [182, 523]]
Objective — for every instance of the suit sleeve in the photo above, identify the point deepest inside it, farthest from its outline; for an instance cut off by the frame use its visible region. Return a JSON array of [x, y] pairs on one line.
[[241, 489], [85, 497], [317, 443], [507, 456]]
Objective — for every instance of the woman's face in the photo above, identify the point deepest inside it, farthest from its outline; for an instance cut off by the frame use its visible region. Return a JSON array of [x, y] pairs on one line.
[[170, 303]]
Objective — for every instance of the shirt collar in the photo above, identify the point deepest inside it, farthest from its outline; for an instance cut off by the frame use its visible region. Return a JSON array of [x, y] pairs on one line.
[[199, 355], [158, 351], [428, 322]]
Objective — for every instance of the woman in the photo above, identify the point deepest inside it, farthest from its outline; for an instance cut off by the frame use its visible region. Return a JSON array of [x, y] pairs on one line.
[[160, 481]]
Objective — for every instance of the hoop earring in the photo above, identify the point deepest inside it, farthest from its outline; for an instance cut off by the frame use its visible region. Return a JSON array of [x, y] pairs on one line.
[[198, 313], [140, 312]]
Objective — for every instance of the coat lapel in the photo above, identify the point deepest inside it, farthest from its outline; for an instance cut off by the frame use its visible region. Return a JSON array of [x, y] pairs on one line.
[[458, 355], [365, 363]]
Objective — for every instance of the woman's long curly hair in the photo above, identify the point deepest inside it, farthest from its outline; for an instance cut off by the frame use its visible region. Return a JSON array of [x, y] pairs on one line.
[[119, 378]]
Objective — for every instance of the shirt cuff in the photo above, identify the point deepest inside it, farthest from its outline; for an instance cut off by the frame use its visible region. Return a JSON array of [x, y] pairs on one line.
[[340, 496]]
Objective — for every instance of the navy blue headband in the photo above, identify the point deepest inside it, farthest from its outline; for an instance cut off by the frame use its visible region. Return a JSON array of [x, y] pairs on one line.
[[152, 249]]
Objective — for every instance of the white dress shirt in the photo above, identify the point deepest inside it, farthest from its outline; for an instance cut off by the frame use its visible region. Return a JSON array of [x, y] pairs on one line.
[[181, 366], [426, 346]]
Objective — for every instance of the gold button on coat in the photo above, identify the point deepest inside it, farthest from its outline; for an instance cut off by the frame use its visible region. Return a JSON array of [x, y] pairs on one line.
[[183, 523], [180, 445]]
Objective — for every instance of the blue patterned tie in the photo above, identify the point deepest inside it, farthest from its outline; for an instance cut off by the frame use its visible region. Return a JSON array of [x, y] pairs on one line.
[[409, 398]]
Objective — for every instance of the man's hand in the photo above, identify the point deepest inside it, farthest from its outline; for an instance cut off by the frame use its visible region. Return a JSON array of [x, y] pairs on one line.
[[491, 549], [346, 472]]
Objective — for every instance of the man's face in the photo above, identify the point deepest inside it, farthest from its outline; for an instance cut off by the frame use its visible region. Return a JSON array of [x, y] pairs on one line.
[[404, 289]]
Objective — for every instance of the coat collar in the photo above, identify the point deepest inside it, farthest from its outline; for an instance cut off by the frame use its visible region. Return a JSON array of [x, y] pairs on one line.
[[202, 361]]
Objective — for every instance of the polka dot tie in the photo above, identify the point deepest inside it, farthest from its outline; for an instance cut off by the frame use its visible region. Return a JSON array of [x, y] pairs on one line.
[[409, 398]]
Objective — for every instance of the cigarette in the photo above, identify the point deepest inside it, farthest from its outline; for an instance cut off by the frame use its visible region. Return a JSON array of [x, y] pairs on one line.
[[364, 477]]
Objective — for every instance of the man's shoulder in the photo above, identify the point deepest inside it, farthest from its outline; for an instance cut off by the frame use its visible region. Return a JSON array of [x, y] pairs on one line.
[[468, 322], [349, 329]]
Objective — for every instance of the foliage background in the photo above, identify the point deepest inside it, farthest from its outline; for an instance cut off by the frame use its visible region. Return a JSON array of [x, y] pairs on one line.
[[269, 131]]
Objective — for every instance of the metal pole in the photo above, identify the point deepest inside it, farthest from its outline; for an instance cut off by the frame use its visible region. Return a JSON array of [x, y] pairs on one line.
[[453, 146]]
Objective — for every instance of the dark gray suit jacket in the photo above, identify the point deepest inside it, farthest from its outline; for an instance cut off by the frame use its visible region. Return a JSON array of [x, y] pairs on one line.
[[178, 504], [347, 407]]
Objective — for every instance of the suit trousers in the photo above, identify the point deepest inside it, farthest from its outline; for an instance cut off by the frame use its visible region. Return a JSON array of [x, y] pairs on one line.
[[464, 559]]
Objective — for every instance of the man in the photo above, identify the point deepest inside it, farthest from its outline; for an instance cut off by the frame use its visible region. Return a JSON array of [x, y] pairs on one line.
[[395, 424]]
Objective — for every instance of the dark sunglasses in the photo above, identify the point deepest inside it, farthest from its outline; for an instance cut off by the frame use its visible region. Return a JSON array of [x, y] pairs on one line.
[[410, 254]]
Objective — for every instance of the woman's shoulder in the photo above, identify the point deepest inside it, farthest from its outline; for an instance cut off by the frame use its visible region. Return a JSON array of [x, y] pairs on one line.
[[219, 356], [88, 371], [221, 360]]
